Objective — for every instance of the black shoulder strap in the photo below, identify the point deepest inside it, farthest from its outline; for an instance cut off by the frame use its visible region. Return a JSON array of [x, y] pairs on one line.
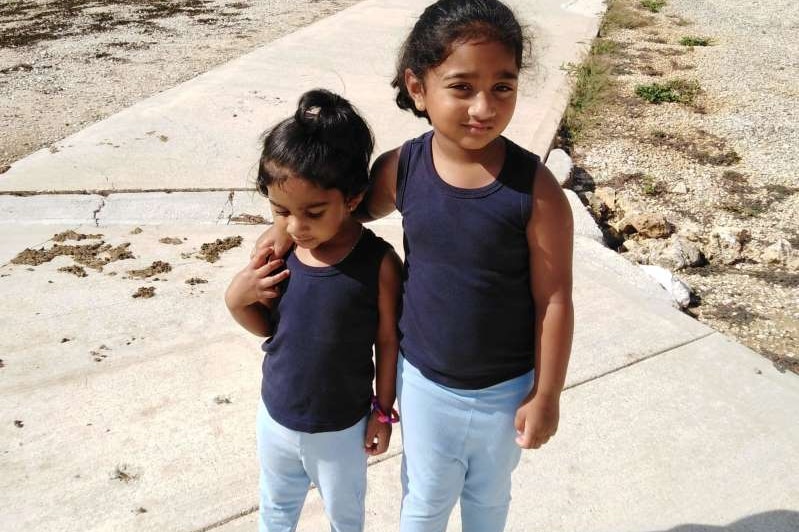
[[402, 173]]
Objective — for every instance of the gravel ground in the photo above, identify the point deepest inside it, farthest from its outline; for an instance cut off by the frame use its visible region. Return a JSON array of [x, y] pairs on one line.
[[66, 64], [723, 162]]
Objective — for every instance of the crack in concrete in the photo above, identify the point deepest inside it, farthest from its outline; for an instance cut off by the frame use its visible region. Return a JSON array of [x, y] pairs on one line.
[[97, 211], [222, 212], [227, 520], [634, 362]]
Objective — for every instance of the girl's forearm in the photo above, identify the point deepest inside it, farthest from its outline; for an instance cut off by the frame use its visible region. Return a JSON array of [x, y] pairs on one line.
[[554, 329], [254, 318], [386, 379]]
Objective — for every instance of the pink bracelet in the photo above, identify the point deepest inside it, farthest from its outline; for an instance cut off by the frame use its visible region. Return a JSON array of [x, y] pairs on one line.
[[382, 417]]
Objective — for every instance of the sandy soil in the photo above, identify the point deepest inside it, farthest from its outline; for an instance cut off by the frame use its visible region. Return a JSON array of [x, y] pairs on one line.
[[66, 64]]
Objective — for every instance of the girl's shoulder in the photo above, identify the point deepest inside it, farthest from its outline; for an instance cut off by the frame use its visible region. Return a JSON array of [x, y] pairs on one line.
[[520, 168], [370, 250], [387, 163]]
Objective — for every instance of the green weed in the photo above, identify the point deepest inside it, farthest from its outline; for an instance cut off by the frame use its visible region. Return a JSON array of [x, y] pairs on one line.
[[653, 5], [651, 187], [696, 41], [675, 90], [603, 46]]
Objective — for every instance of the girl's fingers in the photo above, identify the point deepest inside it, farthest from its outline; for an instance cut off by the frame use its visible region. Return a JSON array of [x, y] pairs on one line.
[[518, 421], [260, 257], [265, 297], [269, 267], [382, 445], [271, 281], [525, 438]]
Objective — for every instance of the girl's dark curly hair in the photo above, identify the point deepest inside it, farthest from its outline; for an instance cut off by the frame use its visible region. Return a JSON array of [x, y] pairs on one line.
[[326, 142]]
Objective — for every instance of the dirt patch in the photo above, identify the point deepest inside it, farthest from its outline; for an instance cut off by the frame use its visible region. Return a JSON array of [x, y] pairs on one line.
[[75, 270], [36, 22], [211, 251], [72, 235], [98, 355], [701, 146], [145, 292], [195, 281], [154, 269], [124, 474], [223, 400], [781, 362], [94, 256], [171, 240], [248, 219]]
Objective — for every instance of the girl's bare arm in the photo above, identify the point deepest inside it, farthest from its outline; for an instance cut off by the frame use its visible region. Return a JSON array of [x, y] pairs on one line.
[[550, 234], [381, 197], [378, 434]]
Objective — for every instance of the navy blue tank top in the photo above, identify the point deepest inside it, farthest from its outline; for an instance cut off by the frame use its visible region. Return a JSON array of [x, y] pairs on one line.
[[318, 370], [467, 316]]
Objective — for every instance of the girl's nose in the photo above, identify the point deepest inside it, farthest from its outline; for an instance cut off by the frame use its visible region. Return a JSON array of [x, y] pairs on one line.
[[482, 107], [293, 225]]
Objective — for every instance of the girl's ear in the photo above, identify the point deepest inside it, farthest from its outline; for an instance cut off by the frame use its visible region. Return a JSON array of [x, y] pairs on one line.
[[415, 89], [353, 202]]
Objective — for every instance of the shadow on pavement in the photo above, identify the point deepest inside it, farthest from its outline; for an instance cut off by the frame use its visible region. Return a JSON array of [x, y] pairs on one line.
[[774, 521]]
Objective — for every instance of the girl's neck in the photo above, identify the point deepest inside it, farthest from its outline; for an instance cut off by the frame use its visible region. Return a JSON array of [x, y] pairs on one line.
[[467, 168], [334, 250]]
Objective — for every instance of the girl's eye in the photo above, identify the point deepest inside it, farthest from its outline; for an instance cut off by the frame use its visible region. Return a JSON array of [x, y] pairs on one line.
[[503, 88], [460, 87], [281, 213], [315, 214]]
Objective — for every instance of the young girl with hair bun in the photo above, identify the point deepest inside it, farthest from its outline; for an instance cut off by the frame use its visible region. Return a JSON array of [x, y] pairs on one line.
[[323, 309]]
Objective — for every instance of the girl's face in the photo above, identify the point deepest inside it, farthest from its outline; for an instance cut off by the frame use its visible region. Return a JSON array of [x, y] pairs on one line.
[[470, 97], [311, 215]]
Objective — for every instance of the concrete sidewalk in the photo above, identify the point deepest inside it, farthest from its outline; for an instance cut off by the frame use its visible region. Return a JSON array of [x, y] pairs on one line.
[[121, 413]]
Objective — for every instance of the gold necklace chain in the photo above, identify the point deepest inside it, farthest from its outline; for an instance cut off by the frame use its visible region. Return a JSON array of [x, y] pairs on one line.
[[357, 241]]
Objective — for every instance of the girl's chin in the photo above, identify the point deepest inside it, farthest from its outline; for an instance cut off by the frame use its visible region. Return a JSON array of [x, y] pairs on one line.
[[306, 244]]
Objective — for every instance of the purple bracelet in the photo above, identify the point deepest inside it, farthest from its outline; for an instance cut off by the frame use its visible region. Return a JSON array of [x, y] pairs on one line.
[[382, 417]]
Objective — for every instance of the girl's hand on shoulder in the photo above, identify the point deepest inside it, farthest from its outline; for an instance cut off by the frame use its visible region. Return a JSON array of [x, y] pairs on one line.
[[378, 435], [274, 241], [257, 282], [537, 421]]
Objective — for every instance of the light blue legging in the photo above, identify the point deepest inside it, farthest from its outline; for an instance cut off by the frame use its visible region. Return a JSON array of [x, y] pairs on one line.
[[290, 460], [457, 443]]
